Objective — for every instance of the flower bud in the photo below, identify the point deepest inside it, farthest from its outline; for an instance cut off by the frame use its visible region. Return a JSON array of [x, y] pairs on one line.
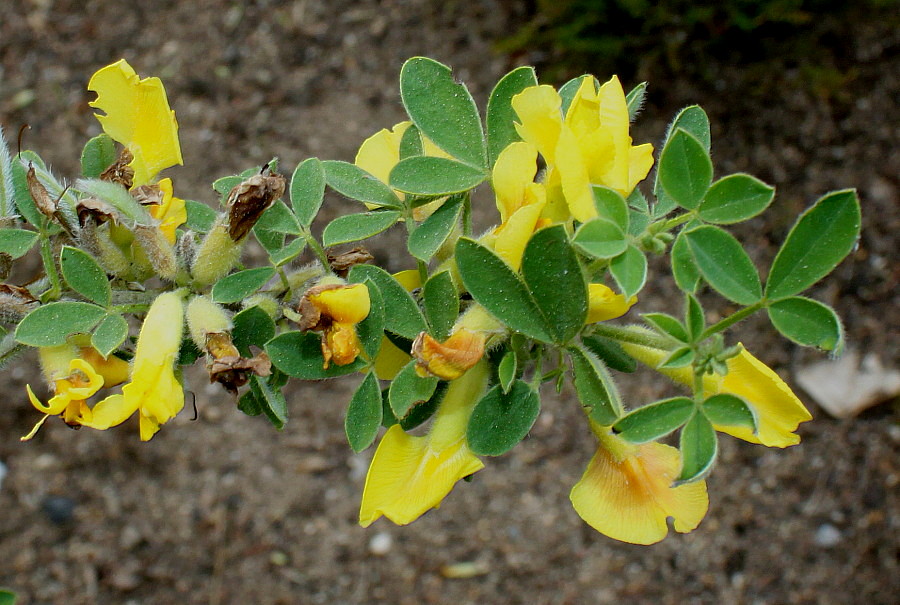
[[217, 255], [160, 253], [205, 317]]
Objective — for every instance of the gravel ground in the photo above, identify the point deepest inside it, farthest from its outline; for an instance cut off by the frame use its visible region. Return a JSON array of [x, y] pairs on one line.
[[227, 510]]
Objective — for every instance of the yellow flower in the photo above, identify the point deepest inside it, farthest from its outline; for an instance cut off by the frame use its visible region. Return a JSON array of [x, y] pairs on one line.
[[450, 359], [604, 303], [171, 213], [137, 116], [77, 373], [335, 310], [154, 390], [626, 492], [519, 199], [410, 475], [778, 410], [591, 146]]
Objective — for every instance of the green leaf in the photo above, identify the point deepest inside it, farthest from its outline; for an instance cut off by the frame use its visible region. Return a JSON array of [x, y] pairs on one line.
[[427, 175], [428, 237], [807, 322], [595, 387], [441, 304], [600, 238], [693, 120], [24, 202], [252, 327], [84, 275], [698, 445], [401, 313], [118, 197], [500, 118], [554, 277], [271, 241], [279, 219], [240, 285], [654, 421], [667, 325], [507, 370], [299, 354], [200, 217], [442, 109], [635, 100], [678, 358], [7, 182], [408, 389], [411, 143], [49, 325], [355, 227], [684, 269], [724, 264], [270, 401], [422, 412], [371, 329], [611, 205], [821, 238], [610, 353], [109, 334], [355, 183], [629, 269], [17, 242], [7, 597], [188, 353], [307, 190], [492, 283], [735, 198], [288, 252], [695, 318], [248, 404], [725, 409], [501, 420], [685, 169], [364, 414], [98, 154]]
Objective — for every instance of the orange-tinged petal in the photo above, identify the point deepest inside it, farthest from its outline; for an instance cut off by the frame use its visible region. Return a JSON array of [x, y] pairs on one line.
[[137, 116], [629, 498], [450, 359], [513, 172], [604, 303], [538, 109], [345, 304], [341, 344], [172, 213]]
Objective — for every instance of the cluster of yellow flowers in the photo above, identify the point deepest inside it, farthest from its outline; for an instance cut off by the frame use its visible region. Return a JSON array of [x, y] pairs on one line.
[[626, 491]]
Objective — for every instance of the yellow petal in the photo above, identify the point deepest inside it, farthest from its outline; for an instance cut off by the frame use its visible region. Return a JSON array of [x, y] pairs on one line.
[[538, 109], [148, 427], [410, 279], [172, 213], [629, 499], [778, 410], [513, 171], [53, 407], [614, 120], [138, 117], [604, 303], [573, 174], [640, 161], [112, 411], [390, 360], [113, 369], [88, 380], [381, 152], [583, 114], [512, 237], [341, 344], [407, 477], [346, 304]]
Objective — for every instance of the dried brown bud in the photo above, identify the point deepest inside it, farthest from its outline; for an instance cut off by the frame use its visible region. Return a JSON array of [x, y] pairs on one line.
[[148, 195], [343, 262], [100, 211], [15, 303], [226, 366], [42, 198], [248, 200], [119, 171]]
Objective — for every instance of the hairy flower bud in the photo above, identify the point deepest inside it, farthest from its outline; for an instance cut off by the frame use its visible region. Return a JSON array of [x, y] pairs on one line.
[[217, 255]]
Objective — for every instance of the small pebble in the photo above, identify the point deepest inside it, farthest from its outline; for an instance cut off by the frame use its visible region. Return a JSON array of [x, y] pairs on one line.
[[381, 544], [59, 509], [828, 536]]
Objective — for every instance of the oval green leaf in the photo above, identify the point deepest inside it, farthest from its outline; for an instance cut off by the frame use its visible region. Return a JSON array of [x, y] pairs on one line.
[[251, 327], [610, 353], [364, 414], [600, 238], [408, 389], [441, 304], [725, 409], [684, 270], [356, 227], [200, 217], [501, 420], [371, 329], [426, 175], [443, 109], [307, 190], [240, 285], [98, 154], [17, 242], [401, 313], [594, 386], [49, 325], [724, 264], [84, 275], [656, 420], [821, 238], [807, 322], [685, 169], [500, 119], [735, 198], [109, 334], [428, 237], [698, 445], [280, 219], [629, 269], [357, 184], [611, 205], [299, 354]]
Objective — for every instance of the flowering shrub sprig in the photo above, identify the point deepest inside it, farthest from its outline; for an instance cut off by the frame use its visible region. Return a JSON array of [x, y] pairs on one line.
[[464, 339]]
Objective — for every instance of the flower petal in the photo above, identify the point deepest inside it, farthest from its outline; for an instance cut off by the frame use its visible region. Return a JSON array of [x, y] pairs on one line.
[[112, 411], [138, 117], [573, 174], [512, 237], [604, 303], [348, 304], [513, 171], [172, 213], [381, 152], [538, 109], [614, 120]]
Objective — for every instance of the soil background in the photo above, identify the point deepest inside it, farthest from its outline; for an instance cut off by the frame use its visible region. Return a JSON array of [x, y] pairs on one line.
[[227, 510]]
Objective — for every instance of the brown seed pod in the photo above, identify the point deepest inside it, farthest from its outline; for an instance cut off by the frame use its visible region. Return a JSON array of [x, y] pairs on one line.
[[249, 199]]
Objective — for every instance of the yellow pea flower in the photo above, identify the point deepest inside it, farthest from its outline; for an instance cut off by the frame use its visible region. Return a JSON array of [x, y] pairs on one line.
[[604, 303], [154, 390], [335, 310], [589, 146], [410, 475], [778, 410], [171, 213], [626, 492], [77, 373], [138, 116]]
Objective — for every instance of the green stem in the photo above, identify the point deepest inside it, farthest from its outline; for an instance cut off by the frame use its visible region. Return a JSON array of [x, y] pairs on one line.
[[284, 279], [634, 337], [467, 215], [674, 222], [50, 268], [133, 308], [317, 249], [732, 319]]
